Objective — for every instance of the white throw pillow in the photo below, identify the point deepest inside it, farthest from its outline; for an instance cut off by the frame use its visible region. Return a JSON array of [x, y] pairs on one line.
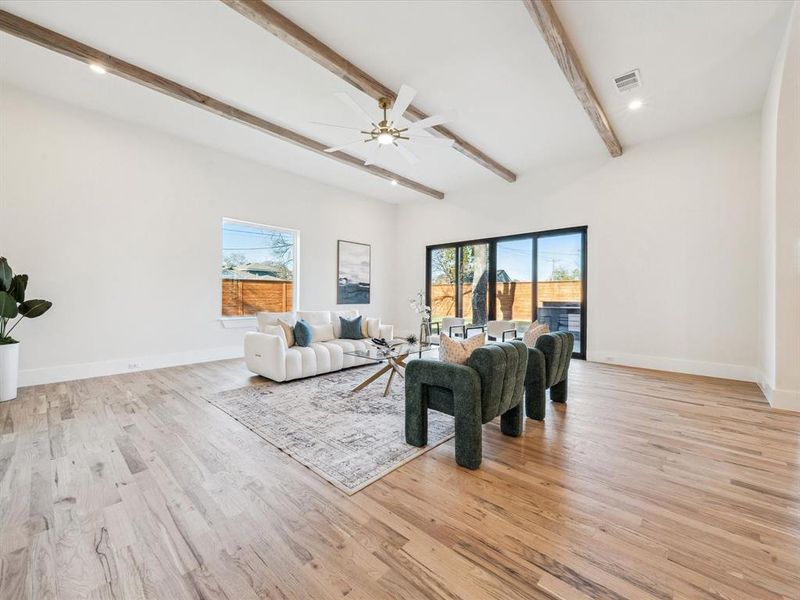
[[276, 330], [370, 328], [271, 318], [321, 333], [337, 325]]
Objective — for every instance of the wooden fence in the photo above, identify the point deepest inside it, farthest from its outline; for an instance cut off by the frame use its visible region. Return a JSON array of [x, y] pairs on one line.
[[513, 299], [241, 297]]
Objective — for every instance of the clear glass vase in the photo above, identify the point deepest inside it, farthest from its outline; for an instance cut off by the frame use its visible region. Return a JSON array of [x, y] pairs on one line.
[[425, 332]]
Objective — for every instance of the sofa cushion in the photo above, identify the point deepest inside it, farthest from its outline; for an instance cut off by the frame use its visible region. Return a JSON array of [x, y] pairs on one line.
[[322, 333], [314, 317], [348, 360], [335, 314], [350, 329], [303, 334], [265, 318], [278, 331]]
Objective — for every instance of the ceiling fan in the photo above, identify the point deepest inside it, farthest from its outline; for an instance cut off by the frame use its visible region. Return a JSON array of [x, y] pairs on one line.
[[388, 130]]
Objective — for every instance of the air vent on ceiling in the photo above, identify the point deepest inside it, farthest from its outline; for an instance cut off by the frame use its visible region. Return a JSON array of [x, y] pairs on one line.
[[628, 81]]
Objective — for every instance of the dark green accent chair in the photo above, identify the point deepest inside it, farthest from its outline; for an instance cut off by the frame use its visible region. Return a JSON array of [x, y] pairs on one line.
[[489, 385], [548, 368]]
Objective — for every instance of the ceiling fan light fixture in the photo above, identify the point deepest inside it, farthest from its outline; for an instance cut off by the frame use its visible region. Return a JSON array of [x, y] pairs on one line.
[[385, 138]]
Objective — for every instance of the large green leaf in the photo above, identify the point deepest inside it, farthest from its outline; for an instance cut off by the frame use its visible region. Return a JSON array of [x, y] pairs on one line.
[[18, 285], [34, 308], [5, 275], [8, 306]]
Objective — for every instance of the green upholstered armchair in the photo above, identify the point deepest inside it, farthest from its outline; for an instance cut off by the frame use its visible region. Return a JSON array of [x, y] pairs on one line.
[[489, 385], [548, 367]]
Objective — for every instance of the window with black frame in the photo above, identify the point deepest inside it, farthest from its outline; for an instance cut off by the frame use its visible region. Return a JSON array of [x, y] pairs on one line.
[[513, 279]]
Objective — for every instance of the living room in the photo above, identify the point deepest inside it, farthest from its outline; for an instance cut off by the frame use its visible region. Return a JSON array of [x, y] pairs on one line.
[[400, 299]]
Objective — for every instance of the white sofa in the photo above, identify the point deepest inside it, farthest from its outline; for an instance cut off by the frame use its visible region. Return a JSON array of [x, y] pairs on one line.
[[267, 353]]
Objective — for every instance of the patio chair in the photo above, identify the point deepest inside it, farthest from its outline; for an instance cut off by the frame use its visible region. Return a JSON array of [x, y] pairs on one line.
[[451, 326]]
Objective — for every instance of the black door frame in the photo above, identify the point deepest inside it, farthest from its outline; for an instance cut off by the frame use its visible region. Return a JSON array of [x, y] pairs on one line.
[[492, 242]]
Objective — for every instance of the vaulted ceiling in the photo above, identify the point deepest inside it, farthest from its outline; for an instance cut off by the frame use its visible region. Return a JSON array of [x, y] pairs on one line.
[[699, 61]]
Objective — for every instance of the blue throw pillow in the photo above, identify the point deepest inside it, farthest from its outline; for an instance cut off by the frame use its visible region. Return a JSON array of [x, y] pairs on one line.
[[351, 328], [302, 333]]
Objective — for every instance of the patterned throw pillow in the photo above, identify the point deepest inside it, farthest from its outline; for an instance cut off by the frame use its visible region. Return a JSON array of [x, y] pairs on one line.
[[288, 332], [351, 328], [535, 331], [457, 352]]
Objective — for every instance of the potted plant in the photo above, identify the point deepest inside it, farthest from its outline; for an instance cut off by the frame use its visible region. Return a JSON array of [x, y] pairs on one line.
[[13, 306]]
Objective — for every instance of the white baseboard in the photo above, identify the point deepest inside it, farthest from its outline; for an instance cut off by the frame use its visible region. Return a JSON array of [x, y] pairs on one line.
[[676, 365], [124, 365], [783, 399]]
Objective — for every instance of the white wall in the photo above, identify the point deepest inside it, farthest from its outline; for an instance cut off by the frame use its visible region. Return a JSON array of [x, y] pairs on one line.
[[120, 227], [672, 244], [779, 358]]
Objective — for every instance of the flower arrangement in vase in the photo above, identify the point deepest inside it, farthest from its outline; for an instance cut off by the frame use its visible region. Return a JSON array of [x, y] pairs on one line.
[[418, 306]]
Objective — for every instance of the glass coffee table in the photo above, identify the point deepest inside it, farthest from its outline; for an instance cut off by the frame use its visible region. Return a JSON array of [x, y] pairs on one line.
[[394, 357]]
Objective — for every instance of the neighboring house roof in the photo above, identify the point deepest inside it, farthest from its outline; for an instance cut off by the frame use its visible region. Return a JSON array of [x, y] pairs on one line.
[[243, 272], [259, 267]]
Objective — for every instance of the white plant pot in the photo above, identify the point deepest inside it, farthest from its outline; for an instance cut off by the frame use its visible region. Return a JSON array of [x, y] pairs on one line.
[[9, 368]]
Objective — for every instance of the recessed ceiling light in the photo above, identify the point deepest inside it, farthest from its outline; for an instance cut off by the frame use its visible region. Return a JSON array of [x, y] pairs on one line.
[[393, 182], [98, 69], [635, 104]]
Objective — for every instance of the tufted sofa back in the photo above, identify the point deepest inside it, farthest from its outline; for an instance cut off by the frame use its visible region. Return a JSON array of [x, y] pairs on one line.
[[557, 350], [501, 368]]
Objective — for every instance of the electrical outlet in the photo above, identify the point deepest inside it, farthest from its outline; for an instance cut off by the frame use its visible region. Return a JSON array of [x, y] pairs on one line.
[[134, 365]]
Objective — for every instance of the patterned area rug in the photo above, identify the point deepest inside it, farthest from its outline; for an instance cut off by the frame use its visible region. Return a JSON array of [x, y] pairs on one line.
[[349, 439]]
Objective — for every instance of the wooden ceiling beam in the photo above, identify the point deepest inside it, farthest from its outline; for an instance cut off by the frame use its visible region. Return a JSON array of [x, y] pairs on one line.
[[271, 20], [56, 42], [546, 19]]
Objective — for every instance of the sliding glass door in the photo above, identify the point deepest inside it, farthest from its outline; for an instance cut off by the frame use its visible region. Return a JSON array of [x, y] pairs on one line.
[[514, 282], [442, 283], [474, 283], [535, 276], [559, 282]]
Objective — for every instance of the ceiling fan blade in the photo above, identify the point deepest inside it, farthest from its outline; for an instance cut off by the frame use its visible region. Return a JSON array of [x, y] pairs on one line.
[[433, 141], [402, 102], [407, 154], [347, 99], [434, 120], [337, 126], [345, 146], [373, 154]]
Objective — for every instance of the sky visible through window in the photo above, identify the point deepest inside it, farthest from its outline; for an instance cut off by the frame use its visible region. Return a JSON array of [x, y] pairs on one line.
[[561, 252], [246, 244]]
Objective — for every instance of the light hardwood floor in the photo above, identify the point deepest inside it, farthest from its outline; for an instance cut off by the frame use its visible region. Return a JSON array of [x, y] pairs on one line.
[[645, 485]]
